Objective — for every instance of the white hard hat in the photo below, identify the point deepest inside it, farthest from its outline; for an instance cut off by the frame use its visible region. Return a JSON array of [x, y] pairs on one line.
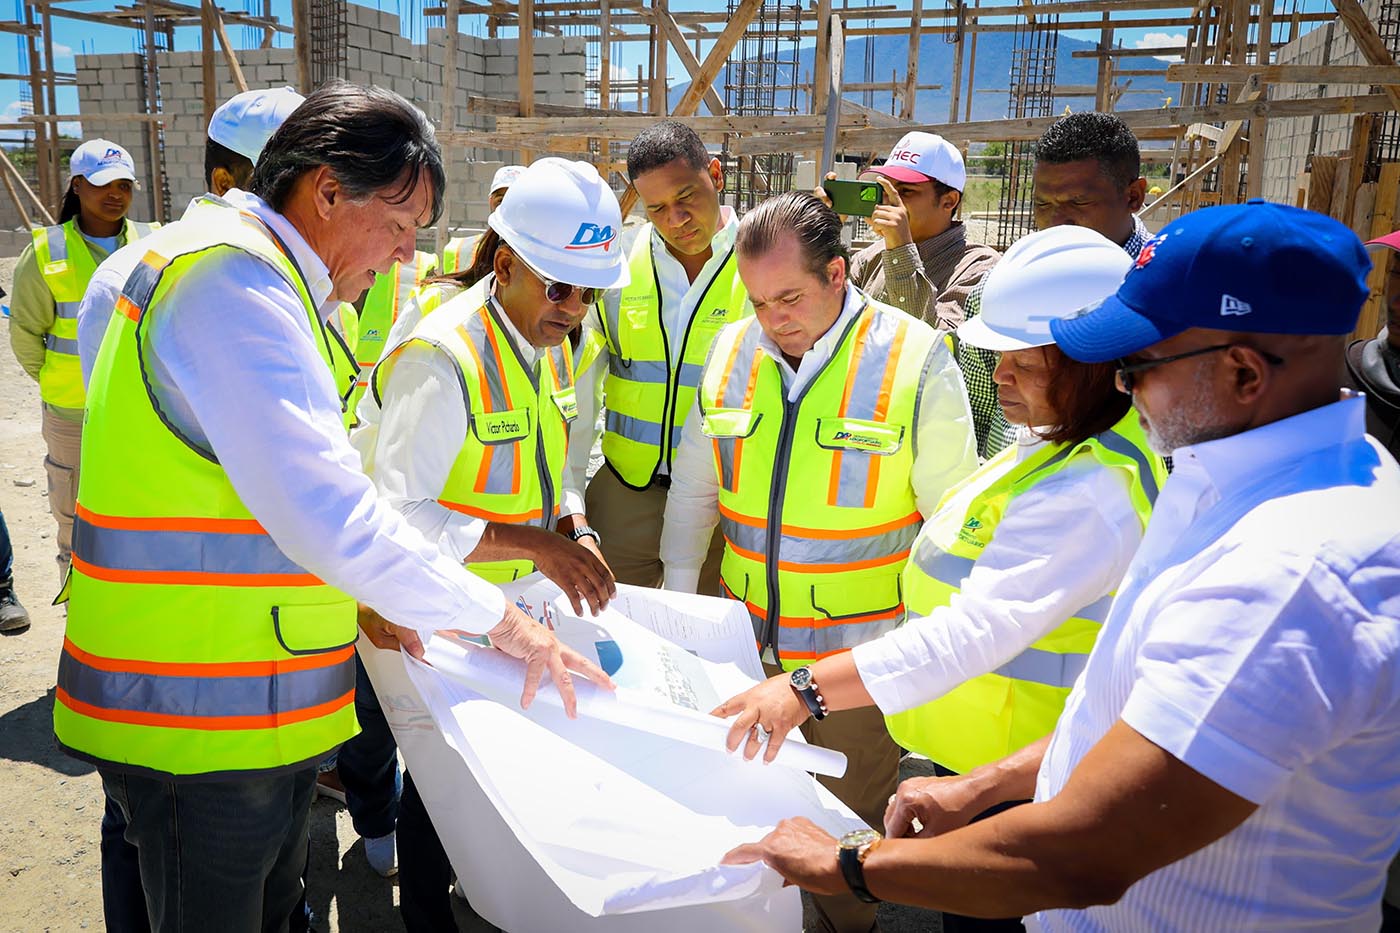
[[245, 122], [101, 162], [505, 176], [564, 221], [1045, 276]]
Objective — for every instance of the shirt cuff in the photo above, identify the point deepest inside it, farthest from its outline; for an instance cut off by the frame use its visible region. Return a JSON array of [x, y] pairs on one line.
[[570, 503], [1200, 746]]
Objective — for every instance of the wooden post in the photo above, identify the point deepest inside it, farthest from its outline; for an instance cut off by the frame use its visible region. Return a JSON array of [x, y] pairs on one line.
[[268, 33], [1369, 41], [49, 192], [206, 58], [911, 71], [1383, 221], [659, 69], [1259, 127], [235, 71], [526, 54], [1360, 142], [301, 43], [971, 69], [821, 64], [38, 202], [1101, 86], [157, 172], [14, 195], [833, 77], [448, 121], [51, 101]]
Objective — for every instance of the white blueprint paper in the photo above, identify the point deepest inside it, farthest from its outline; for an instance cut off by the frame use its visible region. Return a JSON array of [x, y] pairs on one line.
[[620, 819]]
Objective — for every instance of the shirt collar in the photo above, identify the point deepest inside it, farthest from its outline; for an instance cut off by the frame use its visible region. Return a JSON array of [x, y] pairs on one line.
[[528, 351], [1234, 461], [318, 277], [1138, 238]]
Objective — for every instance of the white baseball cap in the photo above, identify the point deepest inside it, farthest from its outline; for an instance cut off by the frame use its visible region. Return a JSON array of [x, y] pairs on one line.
[[565, 222], [505, 177], [1045, 276], [245, 122], [102, 162], [919, 157]]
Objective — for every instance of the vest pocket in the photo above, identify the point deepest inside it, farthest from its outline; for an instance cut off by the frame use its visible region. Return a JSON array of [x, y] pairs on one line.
[[729, 422], [315, 628], [501, 427], [858, 596], [872, 437]]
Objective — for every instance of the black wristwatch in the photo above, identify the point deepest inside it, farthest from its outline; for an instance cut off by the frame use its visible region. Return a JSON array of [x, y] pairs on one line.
[[853, 849], [805, 687], [584, 531]]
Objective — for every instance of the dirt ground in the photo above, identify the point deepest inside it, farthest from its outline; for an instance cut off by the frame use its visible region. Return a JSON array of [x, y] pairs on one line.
[[51, 805]]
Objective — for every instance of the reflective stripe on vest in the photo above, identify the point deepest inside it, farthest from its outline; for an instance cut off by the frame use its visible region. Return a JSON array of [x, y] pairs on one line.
[[647, 398], [510, 467], [195, 646], [996, 713], [67, 266], [457, 248], [816, 503], [382, 304]]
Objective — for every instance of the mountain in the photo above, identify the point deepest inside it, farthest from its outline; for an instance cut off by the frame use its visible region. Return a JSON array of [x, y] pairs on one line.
[[887, 55]]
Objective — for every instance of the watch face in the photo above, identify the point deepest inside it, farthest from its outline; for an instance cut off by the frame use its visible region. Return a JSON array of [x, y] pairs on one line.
[[858, 838], [802, 678]]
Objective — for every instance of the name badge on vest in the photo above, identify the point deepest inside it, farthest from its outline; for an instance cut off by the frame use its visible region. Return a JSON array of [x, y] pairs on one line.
[[730, 422], [566, 400], [872, 437], [501, 427]]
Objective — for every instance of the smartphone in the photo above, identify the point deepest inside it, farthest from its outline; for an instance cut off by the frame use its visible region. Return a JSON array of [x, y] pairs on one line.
[[854, 198]]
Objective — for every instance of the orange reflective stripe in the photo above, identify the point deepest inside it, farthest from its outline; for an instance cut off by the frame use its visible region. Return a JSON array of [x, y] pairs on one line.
[[226, 526], [128, 308], [505, 391], [477, 511], [211, 669], [205, 723]]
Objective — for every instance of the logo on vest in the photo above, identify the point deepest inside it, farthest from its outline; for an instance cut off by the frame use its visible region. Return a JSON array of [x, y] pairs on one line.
[[592, 236], [968, 534], [864, 441]]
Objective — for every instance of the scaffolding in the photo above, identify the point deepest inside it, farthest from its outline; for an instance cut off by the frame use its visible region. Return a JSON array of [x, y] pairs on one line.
[[327, 40], [761, 80], [1034, 51]]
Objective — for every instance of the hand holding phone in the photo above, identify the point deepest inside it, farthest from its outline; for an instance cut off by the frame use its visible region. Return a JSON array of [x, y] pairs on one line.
[[853, 198]]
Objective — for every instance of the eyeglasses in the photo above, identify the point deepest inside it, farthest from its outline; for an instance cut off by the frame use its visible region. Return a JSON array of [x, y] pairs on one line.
[[558, 292], [1126, 375]]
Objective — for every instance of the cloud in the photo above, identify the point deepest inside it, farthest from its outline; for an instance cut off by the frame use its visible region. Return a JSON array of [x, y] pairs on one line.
[[13, 111], [62, 51], [1158, 40]]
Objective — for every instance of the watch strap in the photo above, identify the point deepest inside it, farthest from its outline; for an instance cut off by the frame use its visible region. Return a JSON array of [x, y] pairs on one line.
[[853, 870], [585, 531]]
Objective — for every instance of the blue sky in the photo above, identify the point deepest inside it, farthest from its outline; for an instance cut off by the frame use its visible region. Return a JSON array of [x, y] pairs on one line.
[[73, 37]]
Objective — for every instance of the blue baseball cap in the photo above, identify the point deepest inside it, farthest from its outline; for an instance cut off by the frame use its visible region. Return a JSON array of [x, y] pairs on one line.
[[1256, 267]]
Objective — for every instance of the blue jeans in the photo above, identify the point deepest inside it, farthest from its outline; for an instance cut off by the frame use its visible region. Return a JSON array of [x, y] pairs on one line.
[[425, 873], [217, 856], [123, 901], [7, 553], [369, 765]]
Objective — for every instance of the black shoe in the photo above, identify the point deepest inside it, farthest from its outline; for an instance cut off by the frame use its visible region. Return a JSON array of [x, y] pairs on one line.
[[13, 617]]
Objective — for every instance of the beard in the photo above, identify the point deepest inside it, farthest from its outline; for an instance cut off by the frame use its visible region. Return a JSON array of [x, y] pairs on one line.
[[1192, 420]]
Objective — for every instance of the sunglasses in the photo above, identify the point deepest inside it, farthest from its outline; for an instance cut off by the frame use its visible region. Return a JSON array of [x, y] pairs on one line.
[[558, 292], [1127, 373]]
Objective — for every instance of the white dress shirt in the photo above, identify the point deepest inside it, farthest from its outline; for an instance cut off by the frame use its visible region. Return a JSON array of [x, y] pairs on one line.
[[679, 297], [410, 464], [1256, 638], [104, 288], [1061, 545], [239, 375], [945, 449]]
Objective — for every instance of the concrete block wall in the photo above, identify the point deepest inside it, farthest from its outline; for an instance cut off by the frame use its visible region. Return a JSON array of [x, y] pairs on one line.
[[376, 53], [1287, 150]]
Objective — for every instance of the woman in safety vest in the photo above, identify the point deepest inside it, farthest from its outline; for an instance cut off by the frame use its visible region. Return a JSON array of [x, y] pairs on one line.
[[1009, 581], [50, 277]]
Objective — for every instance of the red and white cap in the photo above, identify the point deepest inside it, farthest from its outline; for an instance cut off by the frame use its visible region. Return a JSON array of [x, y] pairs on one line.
[[919, 157]]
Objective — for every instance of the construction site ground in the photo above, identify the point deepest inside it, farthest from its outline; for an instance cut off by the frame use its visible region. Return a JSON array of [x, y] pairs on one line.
[[51, 804]]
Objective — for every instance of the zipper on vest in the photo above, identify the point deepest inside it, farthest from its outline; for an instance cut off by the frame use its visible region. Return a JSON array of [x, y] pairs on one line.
[[777, 493], [541, 458], [673, 375]]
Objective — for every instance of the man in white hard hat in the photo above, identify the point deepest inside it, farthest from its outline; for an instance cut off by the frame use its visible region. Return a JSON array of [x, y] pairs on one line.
[[457, 252], [239, 129], [213, 601], [490, 371]]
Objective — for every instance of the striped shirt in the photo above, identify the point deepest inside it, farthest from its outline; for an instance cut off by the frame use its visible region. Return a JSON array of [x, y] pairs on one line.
[[994, 434], [1256, 639]]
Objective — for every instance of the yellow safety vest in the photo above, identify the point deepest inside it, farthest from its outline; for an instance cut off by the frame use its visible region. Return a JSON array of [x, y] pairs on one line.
[[457, 249], [385, 298], [194, 645], [510, 467], [991, 716], [816, 504], [67, 267], [647, 399]]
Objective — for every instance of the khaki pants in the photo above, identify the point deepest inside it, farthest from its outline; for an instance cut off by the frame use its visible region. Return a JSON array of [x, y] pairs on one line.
[[64, 439], [629, 522], [872, 775]]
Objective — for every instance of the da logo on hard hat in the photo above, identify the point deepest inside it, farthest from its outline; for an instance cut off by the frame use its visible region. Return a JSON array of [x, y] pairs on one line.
[[111, 154], [592, 236]]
